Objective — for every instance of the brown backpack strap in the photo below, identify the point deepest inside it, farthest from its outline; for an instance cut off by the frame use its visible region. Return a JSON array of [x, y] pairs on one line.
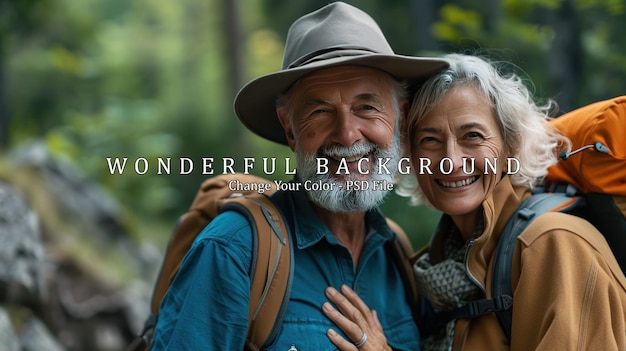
[[403, 239], [272, 277], [211, 196], [271, 281], [403, 252]]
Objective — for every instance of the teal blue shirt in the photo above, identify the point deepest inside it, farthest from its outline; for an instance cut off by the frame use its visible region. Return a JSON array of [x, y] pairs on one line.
[[206, 307]]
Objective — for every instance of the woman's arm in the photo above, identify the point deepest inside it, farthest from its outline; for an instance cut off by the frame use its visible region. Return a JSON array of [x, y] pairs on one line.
[[356, 320]]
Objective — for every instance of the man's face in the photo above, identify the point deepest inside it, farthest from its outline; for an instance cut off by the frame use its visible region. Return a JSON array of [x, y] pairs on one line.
[[342, 115]]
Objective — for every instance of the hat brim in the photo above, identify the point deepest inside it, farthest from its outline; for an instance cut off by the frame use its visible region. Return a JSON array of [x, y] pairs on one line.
[[255, 104]]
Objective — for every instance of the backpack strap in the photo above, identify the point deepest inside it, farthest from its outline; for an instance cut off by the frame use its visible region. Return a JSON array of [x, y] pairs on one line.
[[529, 210], [273, 272], [402, 250], [501, 302], [212, 195], [605, 214]]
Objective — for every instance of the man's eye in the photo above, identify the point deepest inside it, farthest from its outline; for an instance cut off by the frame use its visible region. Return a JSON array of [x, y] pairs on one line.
[[427, 139]]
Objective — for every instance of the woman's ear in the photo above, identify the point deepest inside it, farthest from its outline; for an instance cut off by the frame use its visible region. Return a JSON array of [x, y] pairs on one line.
[[285, 121], [506, 154]]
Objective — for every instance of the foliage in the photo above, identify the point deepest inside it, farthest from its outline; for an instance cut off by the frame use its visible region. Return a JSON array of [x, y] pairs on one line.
[[150, 78], [528, 33]]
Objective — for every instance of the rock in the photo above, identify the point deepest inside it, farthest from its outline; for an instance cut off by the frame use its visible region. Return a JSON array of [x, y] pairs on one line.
[[35, 336], [81, 198], [8, 338], [63, 247], [22, 266]]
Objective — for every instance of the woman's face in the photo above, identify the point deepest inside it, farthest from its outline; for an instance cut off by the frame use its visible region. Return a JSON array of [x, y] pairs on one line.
[[461, 128]]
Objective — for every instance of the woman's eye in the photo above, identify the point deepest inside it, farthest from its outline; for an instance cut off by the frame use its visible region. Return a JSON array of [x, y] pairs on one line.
[[473, 135], [367, 108]]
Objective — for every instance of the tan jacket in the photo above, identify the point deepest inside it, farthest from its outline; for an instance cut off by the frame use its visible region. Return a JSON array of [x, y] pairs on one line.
[[569, 292]]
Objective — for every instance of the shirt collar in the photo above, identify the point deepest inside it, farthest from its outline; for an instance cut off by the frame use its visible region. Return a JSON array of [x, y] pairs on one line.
[[310, 230]]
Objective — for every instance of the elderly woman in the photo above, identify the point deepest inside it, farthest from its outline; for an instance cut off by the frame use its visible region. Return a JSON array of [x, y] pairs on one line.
[[568, 291]]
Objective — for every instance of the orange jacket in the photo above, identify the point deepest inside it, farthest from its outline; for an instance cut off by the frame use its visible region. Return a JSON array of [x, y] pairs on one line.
[[569, 292]]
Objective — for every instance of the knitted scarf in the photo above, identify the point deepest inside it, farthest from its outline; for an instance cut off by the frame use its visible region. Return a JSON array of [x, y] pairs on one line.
[[446, 284]]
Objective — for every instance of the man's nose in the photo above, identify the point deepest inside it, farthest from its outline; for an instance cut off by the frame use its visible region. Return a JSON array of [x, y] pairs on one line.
[[346, 129]]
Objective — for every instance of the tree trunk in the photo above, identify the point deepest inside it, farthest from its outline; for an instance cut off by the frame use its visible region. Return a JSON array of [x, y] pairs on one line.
[[424, 14], [5, 28], [233, 35], [492, 14], [4, 110], [565, 56]]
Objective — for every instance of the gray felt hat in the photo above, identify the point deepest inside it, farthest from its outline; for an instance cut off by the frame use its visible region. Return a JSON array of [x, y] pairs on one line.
[[335, 35]]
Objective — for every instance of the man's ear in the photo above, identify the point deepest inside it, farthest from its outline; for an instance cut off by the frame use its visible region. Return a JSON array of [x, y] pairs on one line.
[[285, 121], [404, 108]]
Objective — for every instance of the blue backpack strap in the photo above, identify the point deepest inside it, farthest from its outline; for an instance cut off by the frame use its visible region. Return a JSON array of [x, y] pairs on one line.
[[529, 210]]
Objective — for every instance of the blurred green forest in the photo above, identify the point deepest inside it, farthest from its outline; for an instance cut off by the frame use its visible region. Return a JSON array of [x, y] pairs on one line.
[[153, 78]]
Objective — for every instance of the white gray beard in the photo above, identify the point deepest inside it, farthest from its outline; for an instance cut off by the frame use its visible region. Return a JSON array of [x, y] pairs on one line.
[[339, 198]]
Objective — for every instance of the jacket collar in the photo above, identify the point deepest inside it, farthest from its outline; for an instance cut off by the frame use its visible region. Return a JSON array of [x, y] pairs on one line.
[[497, 209]]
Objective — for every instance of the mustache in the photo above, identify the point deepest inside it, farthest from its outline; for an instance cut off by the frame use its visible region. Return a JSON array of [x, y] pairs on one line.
[[337, 150]]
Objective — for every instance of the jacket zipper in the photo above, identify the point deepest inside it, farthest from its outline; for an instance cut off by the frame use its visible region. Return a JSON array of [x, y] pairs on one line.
[[458, 341], [467, 270]]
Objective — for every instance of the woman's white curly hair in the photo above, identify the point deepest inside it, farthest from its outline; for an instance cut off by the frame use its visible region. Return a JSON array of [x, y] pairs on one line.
[[523, 123]]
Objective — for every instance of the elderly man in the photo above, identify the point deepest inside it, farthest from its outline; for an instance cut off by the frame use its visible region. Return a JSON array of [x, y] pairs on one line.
[[337, 100]]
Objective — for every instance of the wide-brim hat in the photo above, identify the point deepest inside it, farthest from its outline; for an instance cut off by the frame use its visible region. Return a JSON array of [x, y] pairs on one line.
[[335, 35]]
